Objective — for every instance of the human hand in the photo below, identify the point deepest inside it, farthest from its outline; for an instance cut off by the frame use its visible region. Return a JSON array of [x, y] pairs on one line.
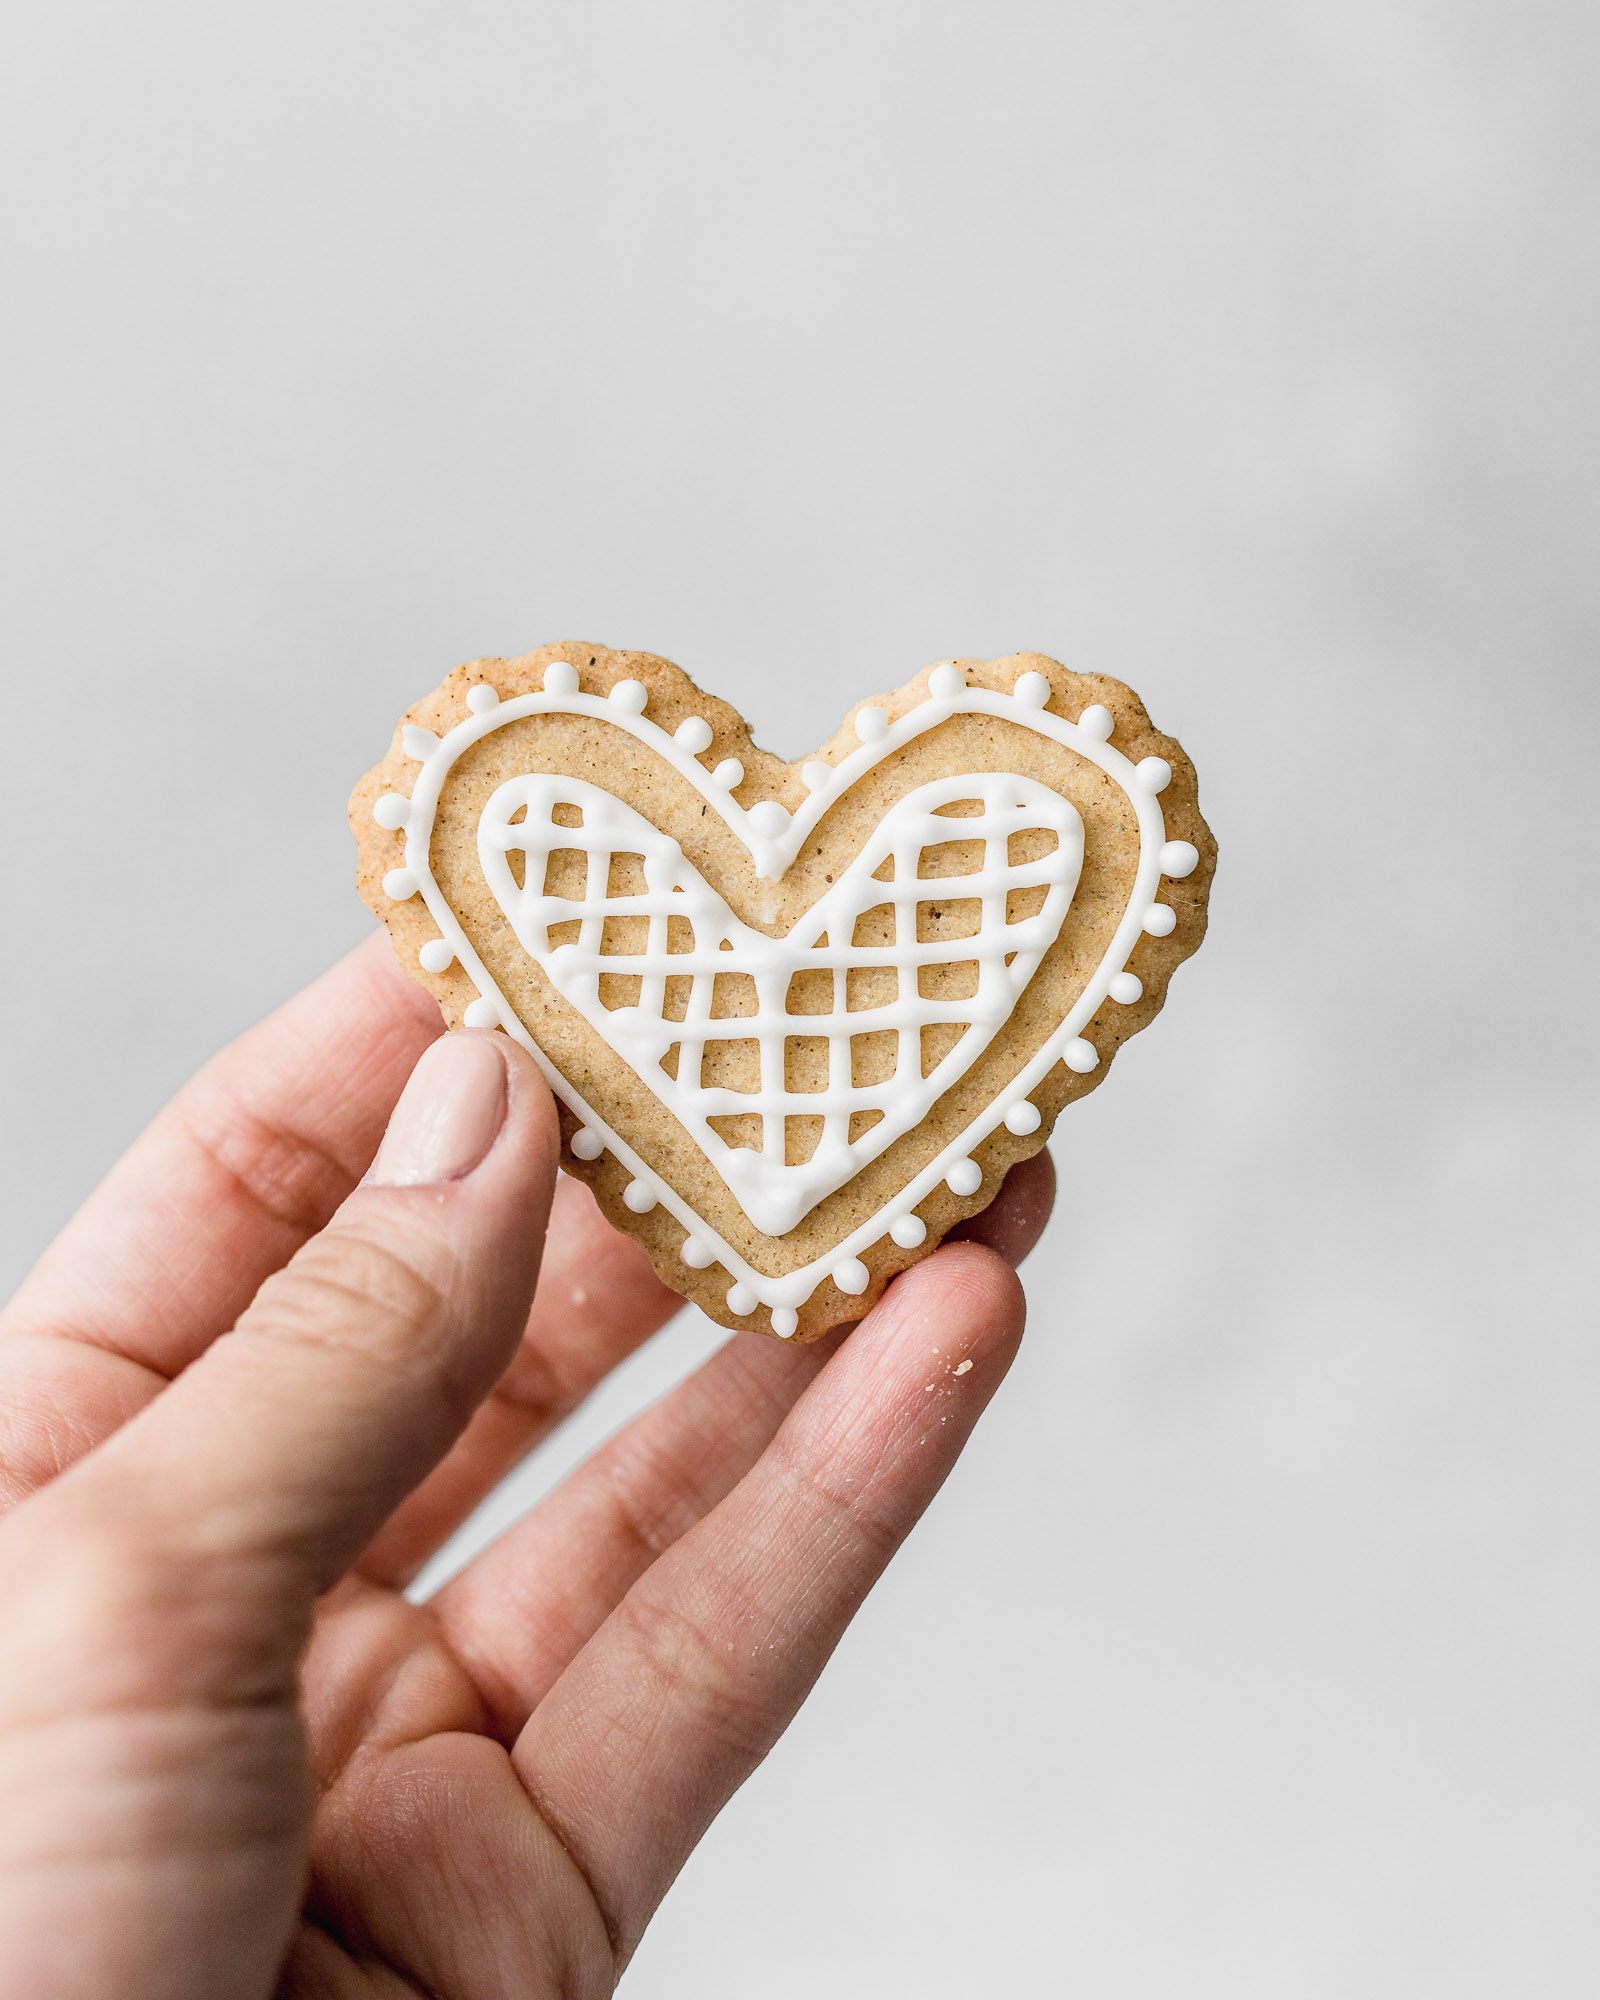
[[234, 1758]]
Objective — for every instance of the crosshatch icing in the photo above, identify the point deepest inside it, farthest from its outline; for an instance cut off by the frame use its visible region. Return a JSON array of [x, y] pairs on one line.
[[663, 1023], [791, 1060]]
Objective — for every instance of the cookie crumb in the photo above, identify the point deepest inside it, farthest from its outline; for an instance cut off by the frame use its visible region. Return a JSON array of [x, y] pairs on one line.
[[963, 1367]]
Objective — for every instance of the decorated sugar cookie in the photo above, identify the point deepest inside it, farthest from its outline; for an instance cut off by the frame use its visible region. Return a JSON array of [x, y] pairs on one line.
[[800, 1018]]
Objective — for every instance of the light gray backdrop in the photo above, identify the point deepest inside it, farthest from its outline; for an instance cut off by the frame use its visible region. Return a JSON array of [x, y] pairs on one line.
[[1246, 351]]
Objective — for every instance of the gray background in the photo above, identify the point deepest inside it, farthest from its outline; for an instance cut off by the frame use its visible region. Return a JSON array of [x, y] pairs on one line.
[[1245, 351]]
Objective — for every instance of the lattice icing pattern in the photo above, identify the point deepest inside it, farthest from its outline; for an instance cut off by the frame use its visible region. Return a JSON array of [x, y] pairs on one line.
[[721, 1021]]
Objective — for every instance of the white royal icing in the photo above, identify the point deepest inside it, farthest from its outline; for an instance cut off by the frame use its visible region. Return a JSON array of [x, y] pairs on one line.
[[520, 819], [772, 1193]]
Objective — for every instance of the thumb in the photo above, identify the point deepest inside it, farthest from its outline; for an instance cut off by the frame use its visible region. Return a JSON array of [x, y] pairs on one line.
[[275, 1457]]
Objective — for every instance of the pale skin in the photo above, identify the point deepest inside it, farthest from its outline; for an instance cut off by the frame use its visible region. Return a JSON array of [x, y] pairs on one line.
[[246, 1394]]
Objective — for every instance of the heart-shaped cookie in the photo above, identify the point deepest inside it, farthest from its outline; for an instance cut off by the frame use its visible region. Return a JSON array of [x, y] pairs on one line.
[[801, 1018]]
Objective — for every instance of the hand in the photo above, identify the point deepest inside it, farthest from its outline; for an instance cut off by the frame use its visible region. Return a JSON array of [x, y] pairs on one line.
[[234, 1759]]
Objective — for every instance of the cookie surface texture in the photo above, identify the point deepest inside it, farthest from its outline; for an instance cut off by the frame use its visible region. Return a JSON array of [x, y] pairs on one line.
[[800, 1018]]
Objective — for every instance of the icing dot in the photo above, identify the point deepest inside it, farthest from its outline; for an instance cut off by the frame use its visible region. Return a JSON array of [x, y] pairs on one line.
[[741, 1300], [482, 698], [1179, 858], [1127, 987], [872, 725], [1097, 722], [1159, 919], [1032, 690], [909, 1231], [639, 1197], [816, 777], [482, 1014], [437, 956], [630, 697], [400, 884], [419, 744], [1081, 1056], [561, 677], [1023, 1118], [946, 683], [1154, 773], [769, 820], [392, 810], [693, 734], [852, 1276], [965, 1177], [587, 1144], [695, 1254], [784, 1321], [729, 772]]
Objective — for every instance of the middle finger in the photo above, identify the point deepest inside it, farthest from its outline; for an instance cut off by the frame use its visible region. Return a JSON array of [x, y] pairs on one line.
[[598, 1299]]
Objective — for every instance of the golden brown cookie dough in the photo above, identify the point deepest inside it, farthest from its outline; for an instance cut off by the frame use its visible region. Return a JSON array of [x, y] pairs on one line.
[[783, 1136]]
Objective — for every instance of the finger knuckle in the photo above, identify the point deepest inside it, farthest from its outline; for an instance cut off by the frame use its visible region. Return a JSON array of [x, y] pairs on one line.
[[655, 1501], [855, 1508], [113, 1612], [684, 1664], [349, 1290]]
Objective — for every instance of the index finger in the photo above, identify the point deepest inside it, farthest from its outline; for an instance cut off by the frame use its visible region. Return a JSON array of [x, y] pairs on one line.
[[248, 1161]]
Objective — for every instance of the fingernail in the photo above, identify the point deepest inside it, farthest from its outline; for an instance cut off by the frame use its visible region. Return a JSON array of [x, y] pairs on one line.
[[448, 1117]]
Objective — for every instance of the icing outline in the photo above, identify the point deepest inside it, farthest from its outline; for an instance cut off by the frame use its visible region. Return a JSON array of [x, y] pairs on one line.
[[773, 837]]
